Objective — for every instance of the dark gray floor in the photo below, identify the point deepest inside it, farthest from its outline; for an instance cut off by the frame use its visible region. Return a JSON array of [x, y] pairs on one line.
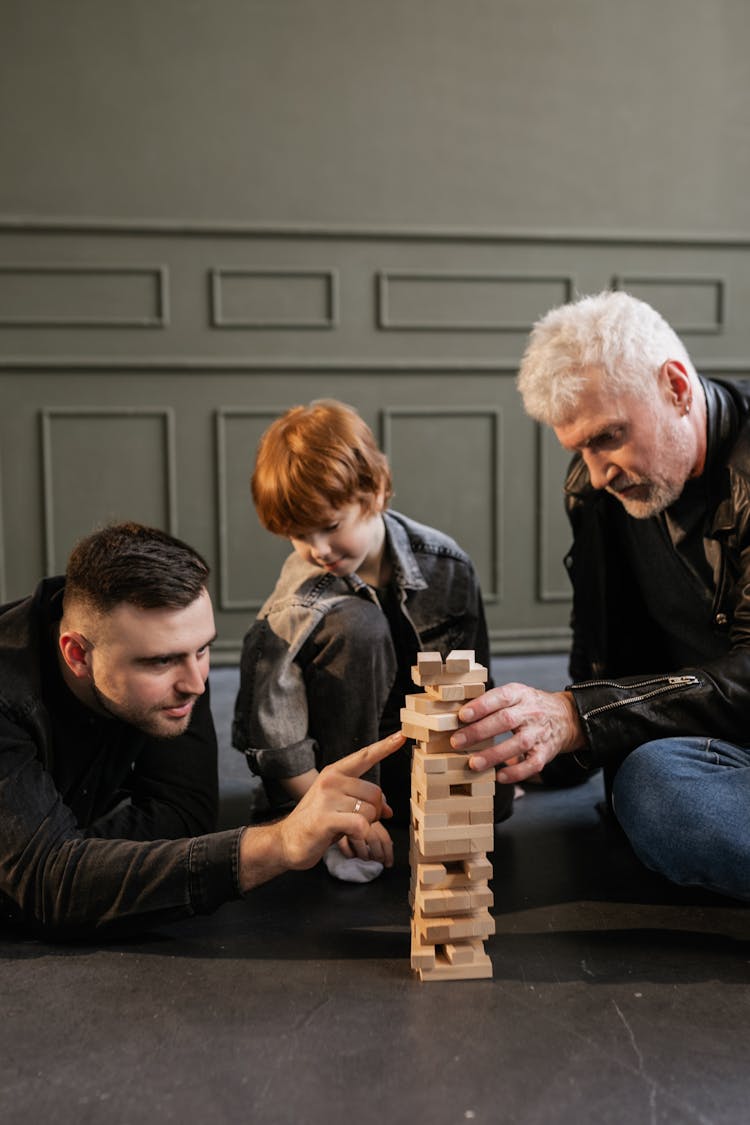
[[615, 998]]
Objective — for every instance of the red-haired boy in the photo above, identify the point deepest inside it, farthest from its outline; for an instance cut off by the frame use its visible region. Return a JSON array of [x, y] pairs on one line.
[[326, 664]]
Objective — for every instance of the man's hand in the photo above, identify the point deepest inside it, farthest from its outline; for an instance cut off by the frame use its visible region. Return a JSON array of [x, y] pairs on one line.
[[539, 725], [338, 804], [377, 845]]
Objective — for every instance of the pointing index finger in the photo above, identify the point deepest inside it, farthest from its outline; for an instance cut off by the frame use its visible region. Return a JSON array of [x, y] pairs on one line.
[[361, 760]]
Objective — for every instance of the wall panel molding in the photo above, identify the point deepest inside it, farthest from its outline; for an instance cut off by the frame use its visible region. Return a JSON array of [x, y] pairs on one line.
[[18, 283], [463, 470], [88, 225], [549, 503], [557, 291], [226, 601], [49, 415], [223, 279], [660, 288]]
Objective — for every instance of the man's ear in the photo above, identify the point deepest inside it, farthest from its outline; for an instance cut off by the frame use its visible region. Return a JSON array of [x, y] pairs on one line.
[[676, 382], [75, 649]]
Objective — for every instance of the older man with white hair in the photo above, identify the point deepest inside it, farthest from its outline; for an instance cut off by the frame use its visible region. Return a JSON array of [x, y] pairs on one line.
[[658, 496]]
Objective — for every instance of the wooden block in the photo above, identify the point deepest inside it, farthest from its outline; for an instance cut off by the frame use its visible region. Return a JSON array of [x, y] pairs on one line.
[[454, 769], [429, 662], [459, 804], [441, 722], [428, 820], [439, 930], [483, 786], [452, 849], [443, 902], [437, 742], [449, 854], [430, 788], [463, 953], [450, 692], [411, 730], [454, 900], [426, 705], [430, 873], [478, 868], [423, 958], [451, 881], [460, 660], [472, 872], [445, 971], [447, 762], [473, 832], [477, 675]]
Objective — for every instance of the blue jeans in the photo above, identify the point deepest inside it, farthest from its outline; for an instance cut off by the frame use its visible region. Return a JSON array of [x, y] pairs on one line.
[[684, 804]]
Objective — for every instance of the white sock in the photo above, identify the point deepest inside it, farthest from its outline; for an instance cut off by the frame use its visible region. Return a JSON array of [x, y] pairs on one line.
[[351, 870]]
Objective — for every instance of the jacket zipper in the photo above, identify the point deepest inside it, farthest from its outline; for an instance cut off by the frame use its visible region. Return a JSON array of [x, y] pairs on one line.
[[666, 682]]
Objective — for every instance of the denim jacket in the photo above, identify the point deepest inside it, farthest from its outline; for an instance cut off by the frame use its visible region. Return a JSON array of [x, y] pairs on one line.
[[439, 593], [103, 827]]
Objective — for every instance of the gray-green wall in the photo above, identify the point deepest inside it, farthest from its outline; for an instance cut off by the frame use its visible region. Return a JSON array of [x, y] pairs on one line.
[[211, 210]]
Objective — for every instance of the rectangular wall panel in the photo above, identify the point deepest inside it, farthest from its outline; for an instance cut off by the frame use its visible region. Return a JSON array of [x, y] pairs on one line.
[[454, 302], [288, 299], [447, 473], [249, 556], [553, 529], [101, 465], [76, 296], [692, 305]]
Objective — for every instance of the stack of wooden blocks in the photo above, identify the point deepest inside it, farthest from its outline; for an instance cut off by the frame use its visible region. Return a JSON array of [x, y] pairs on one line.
[[451, 825]]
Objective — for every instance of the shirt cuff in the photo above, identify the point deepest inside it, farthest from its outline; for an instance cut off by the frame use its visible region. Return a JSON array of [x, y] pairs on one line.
[[213, 869]]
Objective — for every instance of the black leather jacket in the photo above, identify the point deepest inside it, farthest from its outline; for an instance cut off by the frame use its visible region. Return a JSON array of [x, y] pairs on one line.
[[624, 691]]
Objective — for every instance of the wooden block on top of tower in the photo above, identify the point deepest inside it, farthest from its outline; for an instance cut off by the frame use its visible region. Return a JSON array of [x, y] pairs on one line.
[[460, 660], [477, 674], [431, 663]]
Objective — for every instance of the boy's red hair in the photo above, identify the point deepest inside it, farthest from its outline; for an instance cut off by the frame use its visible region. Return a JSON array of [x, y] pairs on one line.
[[315, 459]]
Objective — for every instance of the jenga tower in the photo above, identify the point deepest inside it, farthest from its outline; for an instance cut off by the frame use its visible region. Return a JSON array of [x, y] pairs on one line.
[[451, 825]]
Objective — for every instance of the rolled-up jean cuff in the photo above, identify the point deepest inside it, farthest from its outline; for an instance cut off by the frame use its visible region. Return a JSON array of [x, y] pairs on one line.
[[277, 765], [213, 869]]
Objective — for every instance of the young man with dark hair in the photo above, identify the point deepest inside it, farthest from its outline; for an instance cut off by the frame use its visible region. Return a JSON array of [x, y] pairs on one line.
[[108, 779]]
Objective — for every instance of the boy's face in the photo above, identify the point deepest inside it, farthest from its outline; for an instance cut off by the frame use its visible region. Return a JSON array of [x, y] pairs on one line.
[[350, 542]]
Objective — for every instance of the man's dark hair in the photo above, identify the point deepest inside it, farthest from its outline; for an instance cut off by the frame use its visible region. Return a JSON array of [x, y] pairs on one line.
[[127, 562]]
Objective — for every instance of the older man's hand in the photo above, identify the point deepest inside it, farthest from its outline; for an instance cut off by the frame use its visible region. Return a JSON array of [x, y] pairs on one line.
[[536, 725]]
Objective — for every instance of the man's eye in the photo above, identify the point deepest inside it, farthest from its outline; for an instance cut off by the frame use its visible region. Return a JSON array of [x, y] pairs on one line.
[[607, 439]]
